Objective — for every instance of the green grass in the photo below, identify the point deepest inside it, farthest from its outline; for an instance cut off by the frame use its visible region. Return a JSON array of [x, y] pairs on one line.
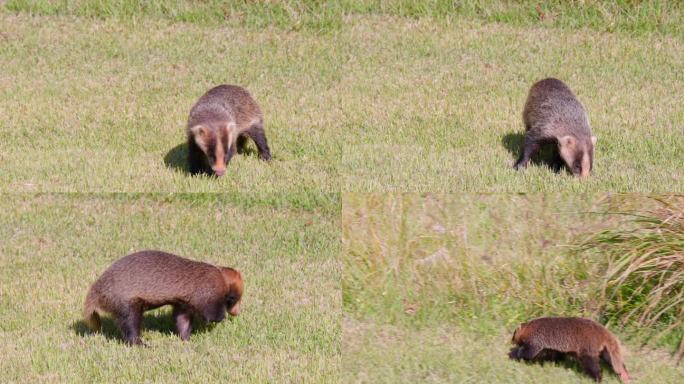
[[358, 96], [320, 15], [439, 109], [383, 103], [435, 285], [102, 107], [55, 246], [389, 353]]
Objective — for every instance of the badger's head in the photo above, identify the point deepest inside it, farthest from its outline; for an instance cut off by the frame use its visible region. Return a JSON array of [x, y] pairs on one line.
[[214, 139], [578, 154], [518, 335], [236, 287], [516, 352]]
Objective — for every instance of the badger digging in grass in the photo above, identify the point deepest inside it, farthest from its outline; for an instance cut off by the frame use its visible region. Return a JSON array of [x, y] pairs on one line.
[[218, 126], [553, 115], [150, 279], [551, 338]]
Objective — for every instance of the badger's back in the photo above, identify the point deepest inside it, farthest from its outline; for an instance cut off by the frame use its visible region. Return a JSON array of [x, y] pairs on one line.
[[553, 111], [155, 278], [226, 103], [568, 334]]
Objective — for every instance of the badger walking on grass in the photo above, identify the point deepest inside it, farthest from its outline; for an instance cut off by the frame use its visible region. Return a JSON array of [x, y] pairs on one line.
[[582, 339], [150, 279], [218, 126], [553, 115]]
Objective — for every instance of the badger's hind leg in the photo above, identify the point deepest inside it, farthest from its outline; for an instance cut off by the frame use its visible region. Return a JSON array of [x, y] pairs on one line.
[[129, 320], [256, 133], [591, 366], [183, 320], [605, 356]]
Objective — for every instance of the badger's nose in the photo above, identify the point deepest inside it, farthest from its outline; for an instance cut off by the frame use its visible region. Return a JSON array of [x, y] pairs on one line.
[[235, 310], [219, 172]]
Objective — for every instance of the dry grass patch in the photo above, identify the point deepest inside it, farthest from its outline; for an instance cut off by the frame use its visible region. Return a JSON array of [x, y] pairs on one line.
[[435, 284]]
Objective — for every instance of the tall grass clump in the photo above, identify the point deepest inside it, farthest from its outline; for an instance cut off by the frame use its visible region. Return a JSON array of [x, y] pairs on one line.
[[643, 286], [468, 259]]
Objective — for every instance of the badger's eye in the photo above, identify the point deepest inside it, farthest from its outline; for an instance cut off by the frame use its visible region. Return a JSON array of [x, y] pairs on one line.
[[231, 300]]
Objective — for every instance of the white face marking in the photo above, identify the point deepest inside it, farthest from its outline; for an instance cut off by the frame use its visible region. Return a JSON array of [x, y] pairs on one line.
[[212, 145], [219, 166], [566, 149], [569, 148], [199, 133], [232, 130], [586, 165]]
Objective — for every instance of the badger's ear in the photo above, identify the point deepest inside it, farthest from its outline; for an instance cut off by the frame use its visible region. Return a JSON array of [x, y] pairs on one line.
[[199, 131], [233, 278], [515, 333], [593, 140], [567, 141]]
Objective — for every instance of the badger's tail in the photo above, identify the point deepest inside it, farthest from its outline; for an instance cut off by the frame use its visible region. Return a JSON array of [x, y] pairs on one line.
[[90, 315], [614, 358]]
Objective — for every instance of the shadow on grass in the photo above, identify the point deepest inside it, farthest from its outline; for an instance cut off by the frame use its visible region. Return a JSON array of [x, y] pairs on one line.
[[548, 155], [245, 147], [161, 322], [560, 360], [176, 158]]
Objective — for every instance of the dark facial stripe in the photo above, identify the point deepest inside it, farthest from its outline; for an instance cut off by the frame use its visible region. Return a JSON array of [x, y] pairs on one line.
[[211, 145], [224, 140]]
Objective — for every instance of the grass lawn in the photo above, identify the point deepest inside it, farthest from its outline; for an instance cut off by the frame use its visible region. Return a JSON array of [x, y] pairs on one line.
[[439, 107], [362, 100], [435, 285], [385, 353], [55, 246], [101, 106], [376, 102]]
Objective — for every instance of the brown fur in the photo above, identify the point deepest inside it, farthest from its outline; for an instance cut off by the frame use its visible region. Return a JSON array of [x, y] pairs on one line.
[[582, 339], [552, 114], [218, 124], [150, 279]]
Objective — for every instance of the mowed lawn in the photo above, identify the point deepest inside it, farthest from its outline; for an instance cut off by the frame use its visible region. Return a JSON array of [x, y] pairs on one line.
[[101, 105], [377, 103], [435, 285], [55, 246], [439, 107]]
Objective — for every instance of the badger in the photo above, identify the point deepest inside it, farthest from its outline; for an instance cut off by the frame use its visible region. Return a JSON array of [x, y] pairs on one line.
[[150, 279], [553, 115], [218, 126]]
